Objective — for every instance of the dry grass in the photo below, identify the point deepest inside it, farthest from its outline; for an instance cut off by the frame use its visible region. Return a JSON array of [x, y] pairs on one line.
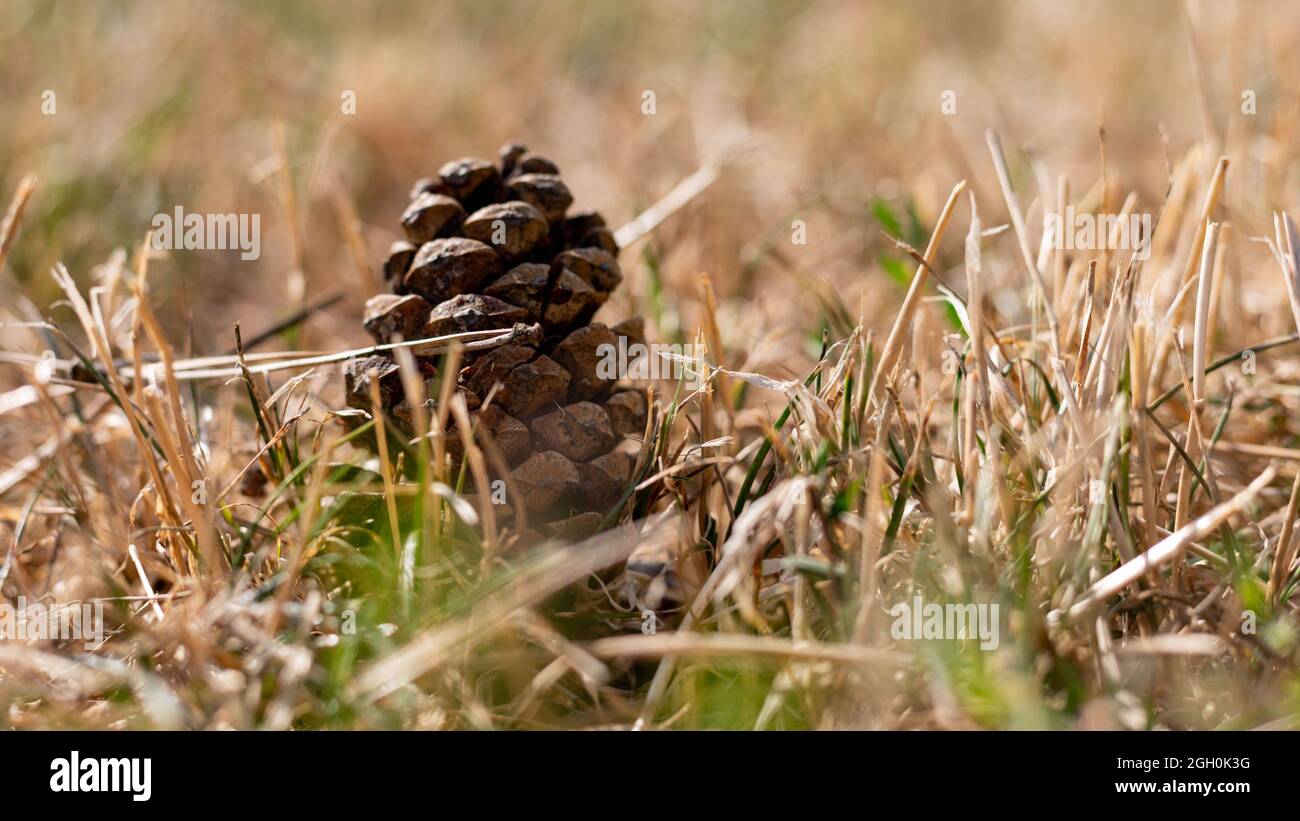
[[926, 399]]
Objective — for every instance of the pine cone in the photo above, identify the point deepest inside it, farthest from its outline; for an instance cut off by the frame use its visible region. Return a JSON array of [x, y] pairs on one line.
[[490, 247]]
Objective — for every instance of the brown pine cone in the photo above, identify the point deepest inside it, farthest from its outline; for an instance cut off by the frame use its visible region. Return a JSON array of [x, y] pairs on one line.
[[488, 247]]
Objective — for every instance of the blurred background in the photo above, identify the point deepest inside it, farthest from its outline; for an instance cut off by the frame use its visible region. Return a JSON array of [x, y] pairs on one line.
[[852, 117]]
